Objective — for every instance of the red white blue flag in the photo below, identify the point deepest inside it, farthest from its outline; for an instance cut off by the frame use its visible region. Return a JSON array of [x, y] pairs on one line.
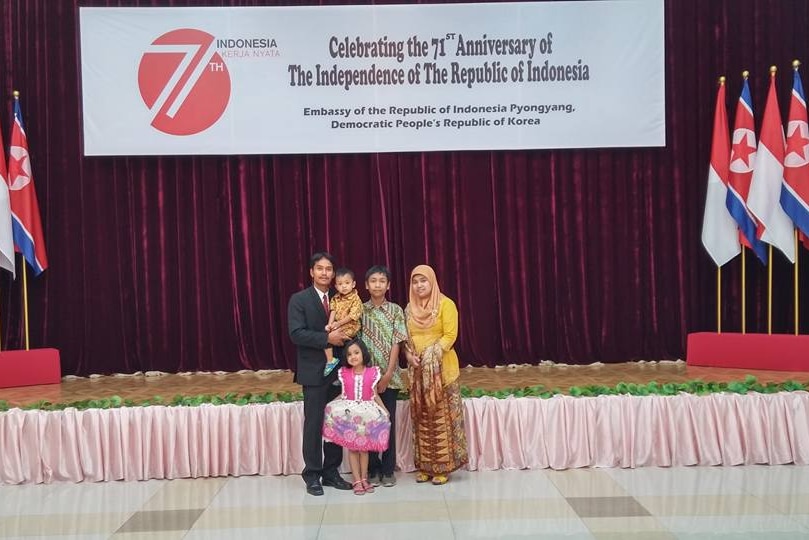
[[719, 234], [764, 200], [26, 224], [742, 161], [795, 192]]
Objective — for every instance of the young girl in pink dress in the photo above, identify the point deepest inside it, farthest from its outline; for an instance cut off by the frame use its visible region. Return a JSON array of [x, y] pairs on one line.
[[357, 420]]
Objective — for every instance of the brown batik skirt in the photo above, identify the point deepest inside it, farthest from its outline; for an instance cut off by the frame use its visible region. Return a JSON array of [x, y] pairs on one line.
[[440, 440]]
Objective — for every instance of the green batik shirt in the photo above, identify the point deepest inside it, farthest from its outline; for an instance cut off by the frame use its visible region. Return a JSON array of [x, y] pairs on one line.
[[382, 328]]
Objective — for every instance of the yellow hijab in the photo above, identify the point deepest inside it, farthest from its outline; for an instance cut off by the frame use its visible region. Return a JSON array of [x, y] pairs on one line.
[[423, 311]]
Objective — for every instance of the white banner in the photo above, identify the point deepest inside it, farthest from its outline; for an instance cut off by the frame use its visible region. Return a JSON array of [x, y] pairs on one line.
[[285, 80]]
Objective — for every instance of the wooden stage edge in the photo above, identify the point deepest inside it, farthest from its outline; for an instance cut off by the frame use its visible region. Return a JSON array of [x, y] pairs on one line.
[[142, 386]]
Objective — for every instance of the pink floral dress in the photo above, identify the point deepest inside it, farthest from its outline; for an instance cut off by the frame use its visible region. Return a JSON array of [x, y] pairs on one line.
[[354, 420]]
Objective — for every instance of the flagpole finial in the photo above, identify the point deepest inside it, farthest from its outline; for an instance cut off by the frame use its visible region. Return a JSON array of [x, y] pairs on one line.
[[722, 80], [16, 94], [796, 64], [773, 69], [745, 74]]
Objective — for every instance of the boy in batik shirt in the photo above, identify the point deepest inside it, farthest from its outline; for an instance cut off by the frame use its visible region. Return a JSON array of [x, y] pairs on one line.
[[383, 332]]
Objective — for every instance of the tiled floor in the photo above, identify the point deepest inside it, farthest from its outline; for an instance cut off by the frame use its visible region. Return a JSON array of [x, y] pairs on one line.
[[756, 502]]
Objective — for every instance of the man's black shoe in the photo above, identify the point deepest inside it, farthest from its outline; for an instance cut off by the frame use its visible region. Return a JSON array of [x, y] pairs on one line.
[[336, 482], [313, 487]]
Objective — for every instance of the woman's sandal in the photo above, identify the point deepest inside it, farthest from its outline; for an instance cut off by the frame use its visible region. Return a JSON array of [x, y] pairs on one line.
[[367, 485], [359, 487], [422, 477], [440, 479]]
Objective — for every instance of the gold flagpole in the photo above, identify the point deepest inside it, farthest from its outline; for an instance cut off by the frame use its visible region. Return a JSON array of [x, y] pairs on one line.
[[745, 74], [719, 268], [718, 299], [795, 65], [797, 256], [744, 291], [25, 302], [769, 290]]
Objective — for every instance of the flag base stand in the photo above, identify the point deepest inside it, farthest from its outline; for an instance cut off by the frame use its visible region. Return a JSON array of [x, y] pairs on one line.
[[778, 352], [30, 368]]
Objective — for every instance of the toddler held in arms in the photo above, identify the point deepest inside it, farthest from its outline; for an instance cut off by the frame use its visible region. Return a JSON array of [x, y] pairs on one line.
[[345, 312]]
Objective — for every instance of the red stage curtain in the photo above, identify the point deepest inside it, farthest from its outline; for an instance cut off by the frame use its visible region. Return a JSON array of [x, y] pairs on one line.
[[186, 263]]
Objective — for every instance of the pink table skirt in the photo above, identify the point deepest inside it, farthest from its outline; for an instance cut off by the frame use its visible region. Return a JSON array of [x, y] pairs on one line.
[[517, 433]]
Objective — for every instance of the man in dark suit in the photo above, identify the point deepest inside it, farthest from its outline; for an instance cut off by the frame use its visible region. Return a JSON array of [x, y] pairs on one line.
[[308, 316]]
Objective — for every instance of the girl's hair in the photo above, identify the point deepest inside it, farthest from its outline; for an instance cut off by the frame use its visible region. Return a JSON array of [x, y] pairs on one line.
[[366, 356]]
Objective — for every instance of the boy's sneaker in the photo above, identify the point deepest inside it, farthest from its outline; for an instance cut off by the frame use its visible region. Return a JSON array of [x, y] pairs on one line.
[[376, 481], [388, 480]]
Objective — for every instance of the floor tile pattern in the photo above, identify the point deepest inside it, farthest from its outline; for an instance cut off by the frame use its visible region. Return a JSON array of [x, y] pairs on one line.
[[752, 502]]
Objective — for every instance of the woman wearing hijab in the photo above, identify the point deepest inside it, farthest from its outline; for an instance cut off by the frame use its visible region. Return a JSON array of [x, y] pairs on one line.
[[435, 395]]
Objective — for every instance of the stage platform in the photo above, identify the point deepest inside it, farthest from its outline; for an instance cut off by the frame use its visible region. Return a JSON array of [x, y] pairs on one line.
[[138, 443], [781, 352]]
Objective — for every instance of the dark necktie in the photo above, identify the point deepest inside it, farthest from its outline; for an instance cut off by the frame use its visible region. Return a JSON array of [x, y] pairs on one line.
[[326, 304]]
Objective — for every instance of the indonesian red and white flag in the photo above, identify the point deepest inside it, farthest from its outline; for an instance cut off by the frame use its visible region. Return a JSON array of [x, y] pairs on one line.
[[764, 201], [6, 235], [719, 231]]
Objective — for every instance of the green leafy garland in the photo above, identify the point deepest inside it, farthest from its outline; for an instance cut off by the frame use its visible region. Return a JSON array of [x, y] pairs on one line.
[[698, 387]]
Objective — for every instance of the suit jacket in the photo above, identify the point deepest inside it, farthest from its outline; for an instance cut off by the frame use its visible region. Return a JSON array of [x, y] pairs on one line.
[[307, 322]]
